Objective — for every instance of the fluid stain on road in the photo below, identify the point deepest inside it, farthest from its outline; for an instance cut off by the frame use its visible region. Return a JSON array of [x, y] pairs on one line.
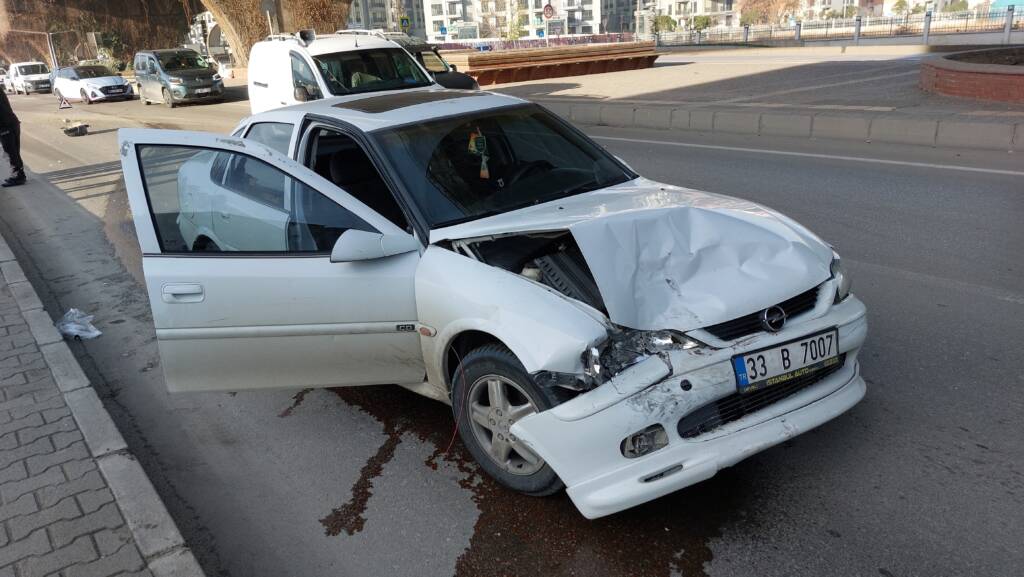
[[519, 535]]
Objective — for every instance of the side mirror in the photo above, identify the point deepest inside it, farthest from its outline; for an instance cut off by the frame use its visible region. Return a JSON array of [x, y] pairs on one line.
[[302, 94], [453, 67], [354, 245]]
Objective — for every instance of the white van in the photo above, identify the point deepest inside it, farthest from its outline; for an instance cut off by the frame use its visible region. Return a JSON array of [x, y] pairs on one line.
[[287, 69], [29, 77]]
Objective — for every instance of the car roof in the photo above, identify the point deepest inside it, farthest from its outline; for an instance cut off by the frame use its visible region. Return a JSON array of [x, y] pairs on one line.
[[330, 43], [379, 110]]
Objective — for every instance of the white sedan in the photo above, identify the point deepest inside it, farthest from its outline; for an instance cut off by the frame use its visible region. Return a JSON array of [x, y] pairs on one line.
[[591, 329], [90, 83]]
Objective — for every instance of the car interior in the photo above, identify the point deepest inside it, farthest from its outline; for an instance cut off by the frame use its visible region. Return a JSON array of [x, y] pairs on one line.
[[341, 160]]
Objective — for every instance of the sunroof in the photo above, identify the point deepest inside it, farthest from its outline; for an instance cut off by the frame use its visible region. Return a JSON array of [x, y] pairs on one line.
[[389, 102]]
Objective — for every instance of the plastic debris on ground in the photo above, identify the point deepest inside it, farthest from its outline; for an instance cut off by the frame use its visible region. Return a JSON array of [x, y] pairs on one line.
[[78, 325]]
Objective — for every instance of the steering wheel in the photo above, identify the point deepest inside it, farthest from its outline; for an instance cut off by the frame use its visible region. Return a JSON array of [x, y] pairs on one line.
[[528, 168]]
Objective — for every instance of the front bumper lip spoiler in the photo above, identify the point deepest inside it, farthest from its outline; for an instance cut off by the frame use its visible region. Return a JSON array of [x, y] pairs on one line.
[[669, 471]]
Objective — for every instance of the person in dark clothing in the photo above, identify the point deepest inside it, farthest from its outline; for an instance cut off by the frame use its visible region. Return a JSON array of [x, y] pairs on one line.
[[10, 138]]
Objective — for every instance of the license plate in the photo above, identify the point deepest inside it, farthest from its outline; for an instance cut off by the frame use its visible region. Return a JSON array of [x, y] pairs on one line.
[[116, 90], [781, 363], [203, 90]]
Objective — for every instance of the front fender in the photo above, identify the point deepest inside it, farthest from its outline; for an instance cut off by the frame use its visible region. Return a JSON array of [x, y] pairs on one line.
[[455, 294]]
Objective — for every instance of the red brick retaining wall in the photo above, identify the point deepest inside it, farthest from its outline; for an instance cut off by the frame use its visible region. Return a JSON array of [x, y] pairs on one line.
[[968, 80]]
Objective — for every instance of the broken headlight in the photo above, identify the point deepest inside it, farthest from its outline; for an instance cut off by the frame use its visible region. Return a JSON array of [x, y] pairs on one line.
[[842, 279], [625, 348]]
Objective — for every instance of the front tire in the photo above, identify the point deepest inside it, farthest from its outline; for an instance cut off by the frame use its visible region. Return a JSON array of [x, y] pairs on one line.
[[85, 97], [168, 100], [492, 391]]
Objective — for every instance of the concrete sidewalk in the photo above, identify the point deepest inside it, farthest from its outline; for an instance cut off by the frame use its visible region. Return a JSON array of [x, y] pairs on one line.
[[73, 501]]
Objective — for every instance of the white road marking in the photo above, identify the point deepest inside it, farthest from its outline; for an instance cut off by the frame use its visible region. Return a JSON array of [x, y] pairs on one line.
[[816, 155]]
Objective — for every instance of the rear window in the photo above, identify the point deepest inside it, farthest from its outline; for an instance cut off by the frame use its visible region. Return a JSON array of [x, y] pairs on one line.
[[370, 70]]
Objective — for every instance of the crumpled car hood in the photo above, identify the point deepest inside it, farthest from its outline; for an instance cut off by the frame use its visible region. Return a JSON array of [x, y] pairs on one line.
[[666, 257]]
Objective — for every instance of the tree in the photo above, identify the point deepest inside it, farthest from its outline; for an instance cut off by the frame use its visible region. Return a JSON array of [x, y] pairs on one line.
[[701, 22], [664, 23], [770, 11], [751, 17], [918, 8], [849, 12], [956, 6], [900, 7]]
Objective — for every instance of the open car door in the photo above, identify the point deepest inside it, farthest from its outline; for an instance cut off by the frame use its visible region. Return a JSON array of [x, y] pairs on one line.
[[236, 246]]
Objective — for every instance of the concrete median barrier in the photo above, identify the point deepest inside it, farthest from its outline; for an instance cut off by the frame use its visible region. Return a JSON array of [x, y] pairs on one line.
[[959, 131]]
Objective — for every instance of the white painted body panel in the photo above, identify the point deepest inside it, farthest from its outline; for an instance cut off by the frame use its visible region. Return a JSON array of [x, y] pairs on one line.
[[17, 80], [544, 329], [226, 322]]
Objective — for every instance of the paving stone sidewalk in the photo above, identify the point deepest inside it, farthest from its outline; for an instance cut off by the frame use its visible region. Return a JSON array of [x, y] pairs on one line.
[[73, 501]]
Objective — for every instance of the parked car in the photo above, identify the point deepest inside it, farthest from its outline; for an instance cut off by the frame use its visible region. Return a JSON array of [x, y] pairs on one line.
[[590, 328], [176, 76], [91, 83], [288, 69], [29, 77]]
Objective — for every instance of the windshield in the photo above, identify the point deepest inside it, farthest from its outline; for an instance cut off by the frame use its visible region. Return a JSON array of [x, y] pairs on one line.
[[92, 71], [182, 61], [370, 70], [464, 168], [27, 69]]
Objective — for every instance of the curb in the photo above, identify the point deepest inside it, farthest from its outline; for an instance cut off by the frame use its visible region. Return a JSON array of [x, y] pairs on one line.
[[155, 533], [923, 131]]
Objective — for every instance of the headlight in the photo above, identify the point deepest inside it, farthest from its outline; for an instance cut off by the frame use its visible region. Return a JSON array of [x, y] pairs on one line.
[[625, 348], [174, 80], [842, 279]]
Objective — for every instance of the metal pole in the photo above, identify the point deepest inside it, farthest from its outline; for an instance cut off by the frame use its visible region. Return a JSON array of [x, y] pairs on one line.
[[796, 32], [927, 26], [856, 30], [270, 23], [746, 34], [1008, 27], [53, 53], [637, 19]]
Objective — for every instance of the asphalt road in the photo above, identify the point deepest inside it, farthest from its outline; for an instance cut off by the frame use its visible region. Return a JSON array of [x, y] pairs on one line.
[[923, 477]]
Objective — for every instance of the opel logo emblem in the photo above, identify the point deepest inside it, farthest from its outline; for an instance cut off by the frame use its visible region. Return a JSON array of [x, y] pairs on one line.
[[773, 319]]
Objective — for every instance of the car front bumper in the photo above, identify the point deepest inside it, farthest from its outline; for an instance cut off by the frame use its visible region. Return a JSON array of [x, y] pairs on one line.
[[581, 438], [190, 94]]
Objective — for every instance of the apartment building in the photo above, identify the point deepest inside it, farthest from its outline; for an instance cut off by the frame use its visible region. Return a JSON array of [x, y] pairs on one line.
[[453, 19], [723, 13], [387, 15]]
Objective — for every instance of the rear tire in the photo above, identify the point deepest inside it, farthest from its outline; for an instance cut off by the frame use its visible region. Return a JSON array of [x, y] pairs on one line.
[[484, 415]]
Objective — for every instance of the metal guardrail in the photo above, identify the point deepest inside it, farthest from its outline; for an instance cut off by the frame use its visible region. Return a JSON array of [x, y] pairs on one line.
[[1004, 20]]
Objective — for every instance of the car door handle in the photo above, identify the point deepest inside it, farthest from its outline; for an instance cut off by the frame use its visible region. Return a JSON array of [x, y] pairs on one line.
[[183, 293]]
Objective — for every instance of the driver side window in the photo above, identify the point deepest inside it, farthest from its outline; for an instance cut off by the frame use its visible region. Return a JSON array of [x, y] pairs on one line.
[[302, 76]]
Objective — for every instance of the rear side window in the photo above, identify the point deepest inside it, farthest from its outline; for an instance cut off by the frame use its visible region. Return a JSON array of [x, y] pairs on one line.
[[275, 135], [433, 62]]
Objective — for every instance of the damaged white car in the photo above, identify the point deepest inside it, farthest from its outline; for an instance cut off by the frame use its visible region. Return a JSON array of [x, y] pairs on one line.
[[591, 329]]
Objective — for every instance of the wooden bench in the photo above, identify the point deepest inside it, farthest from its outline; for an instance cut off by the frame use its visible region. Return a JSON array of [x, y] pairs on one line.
[[499, 67]]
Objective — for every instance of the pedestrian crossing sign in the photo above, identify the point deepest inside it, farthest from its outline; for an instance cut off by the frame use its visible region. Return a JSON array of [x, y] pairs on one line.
[[64, 104]]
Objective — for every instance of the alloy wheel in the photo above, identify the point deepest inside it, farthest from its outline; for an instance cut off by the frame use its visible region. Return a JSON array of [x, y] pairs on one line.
[[495, 404]]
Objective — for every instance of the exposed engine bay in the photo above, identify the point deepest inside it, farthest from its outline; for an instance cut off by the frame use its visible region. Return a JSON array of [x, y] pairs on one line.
[[555, 260]]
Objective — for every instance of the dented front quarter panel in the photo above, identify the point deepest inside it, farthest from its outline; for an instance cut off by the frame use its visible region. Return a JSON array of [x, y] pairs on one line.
[[455, 294]]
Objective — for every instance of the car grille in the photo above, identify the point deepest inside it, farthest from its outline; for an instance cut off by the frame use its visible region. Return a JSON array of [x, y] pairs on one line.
[[738, 405], [113, 89], [750, 324]]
